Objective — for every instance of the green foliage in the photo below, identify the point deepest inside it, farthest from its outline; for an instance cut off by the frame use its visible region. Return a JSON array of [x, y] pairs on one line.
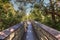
[[5, 0], [43, 16], [36, 6], [8, 15]]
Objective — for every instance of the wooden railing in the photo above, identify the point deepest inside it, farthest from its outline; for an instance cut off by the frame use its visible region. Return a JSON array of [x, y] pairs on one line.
[[13, 33], [44, 32]]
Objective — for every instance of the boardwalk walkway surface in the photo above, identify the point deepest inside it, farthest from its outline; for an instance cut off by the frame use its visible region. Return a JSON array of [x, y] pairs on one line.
[[29, 35]]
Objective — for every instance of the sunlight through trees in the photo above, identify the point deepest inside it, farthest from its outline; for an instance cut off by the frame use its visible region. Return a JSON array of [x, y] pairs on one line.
[[45, 12]]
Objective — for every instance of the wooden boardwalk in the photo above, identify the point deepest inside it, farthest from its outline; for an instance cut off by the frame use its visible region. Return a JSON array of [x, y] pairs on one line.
[[29, 35]]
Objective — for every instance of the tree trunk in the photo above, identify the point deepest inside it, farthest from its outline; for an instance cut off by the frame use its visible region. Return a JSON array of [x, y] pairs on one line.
[[52, 13]]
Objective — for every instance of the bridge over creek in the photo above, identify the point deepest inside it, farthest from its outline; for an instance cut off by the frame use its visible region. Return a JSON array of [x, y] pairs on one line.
[[35, 31]]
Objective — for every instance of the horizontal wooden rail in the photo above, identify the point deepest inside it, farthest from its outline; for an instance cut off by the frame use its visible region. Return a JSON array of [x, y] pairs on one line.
[[13, 33], [44, 32]]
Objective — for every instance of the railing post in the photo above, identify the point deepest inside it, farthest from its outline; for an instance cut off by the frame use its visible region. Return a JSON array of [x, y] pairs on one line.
[[25, 26]]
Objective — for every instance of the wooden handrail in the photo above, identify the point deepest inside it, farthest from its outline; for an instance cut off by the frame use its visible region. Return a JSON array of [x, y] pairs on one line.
[[54, 34], [12, 32]]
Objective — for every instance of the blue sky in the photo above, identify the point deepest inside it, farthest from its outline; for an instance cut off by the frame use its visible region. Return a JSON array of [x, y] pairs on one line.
[[27, 6], [46, 1], [15, 6]]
